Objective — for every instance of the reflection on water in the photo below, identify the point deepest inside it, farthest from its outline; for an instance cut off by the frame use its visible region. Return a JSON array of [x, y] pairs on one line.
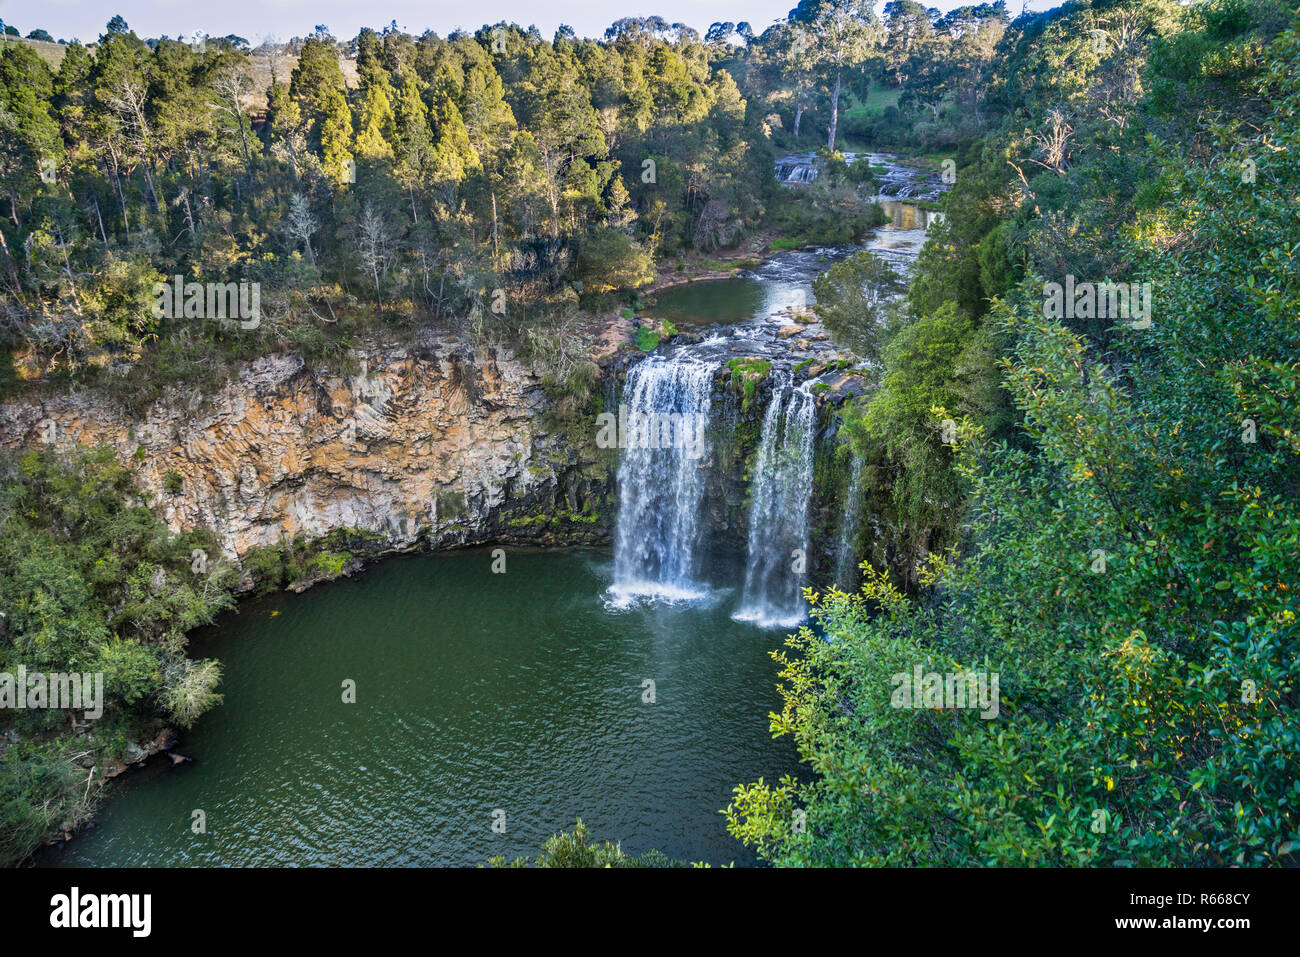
[[785, 280], [713, 301], [900, 240], [474, 692]]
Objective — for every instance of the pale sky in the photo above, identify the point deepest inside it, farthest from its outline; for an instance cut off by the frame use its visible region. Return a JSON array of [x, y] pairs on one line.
[[256, 20]]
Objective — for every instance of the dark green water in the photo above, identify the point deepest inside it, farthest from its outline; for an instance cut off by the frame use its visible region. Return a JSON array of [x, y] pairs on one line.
[[712, 301], [475, 691]]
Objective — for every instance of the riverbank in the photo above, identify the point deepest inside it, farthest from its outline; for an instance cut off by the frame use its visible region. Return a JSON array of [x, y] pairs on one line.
[[354, 446], [614, 328], [519, 692]]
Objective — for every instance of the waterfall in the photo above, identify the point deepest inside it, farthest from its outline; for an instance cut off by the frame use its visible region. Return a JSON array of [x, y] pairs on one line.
[[778, 514], [796, 169], [846, 573], [661, 483], [893, 182]]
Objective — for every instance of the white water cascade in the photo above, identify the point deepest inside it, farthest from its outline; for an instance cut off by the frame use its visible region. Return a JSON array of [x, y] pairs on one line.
[[892, 180], [778, 516], [801, 168], [657, 542]]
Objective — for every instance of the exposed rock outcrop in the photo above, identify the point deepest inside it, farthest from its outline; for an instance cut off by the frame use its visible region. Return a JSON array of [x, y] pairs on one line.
[[434, 444]]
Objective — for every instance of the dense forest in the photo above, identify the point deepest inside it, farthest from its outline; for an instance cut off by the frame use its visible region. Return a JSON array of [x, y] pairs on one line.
[[1119, 498], [555, 172], [1100, 512]]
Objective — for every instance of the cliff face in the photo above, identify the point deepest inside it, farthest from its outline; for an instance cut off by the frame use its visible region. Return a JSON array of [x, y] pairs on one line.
[[437, 444], [426, 446]]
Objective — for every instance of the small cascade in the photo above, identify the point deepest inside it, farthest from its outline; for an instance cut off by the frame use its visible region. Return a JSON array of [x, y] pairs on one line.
[[846, 572], [797, 168], [661, 478], [803, 168], [778, 516], [892, 180]]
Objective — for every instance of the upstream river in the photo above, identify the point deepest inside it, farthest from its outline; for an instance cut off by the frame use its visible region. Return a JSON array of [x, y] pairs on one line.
[[521, 699], [786, 280]]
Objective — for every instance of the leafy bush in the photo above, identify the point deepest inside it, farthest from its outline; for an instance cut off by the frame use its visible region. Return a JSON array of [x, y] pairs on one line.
[[266, 565], [132, 671], [191, 690], [572, 849], [92, 581], [40, 790], [610, 259], [746, 374], [851, 300]]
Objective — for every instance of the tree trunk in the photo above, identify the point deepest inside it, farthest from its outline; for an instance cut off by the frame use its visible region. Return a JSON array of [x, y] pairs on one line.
[[189, 213], [148, 178], [102, 235], [121, 196], [496, 251], [243, 136], [835, 114]]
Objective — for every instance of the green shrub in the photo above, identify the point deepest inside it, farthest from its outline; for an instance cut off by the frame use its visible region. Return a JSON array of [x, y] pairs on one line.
[[610, 259], [266, 564], [191, 689], [40, 790], [746, 374], [132, 672], [92, 581], [331, 564], [573, 849]]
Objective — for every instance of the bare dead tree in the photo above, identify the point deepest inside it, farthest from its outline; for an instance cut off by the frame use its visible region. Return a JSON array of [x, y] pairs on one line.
[[301, 225], [128, 101], [231, 87], [1054, 142], [374, 242]]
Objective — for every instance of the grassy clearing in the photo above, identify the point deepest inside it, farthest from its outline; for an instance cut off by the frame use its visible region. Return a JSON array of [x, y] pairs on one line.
[[876, 102]]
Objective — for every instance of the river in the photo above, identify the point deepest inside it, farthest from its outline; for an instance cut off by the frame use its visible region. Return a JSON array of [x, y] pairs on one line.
[[524, 699]]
